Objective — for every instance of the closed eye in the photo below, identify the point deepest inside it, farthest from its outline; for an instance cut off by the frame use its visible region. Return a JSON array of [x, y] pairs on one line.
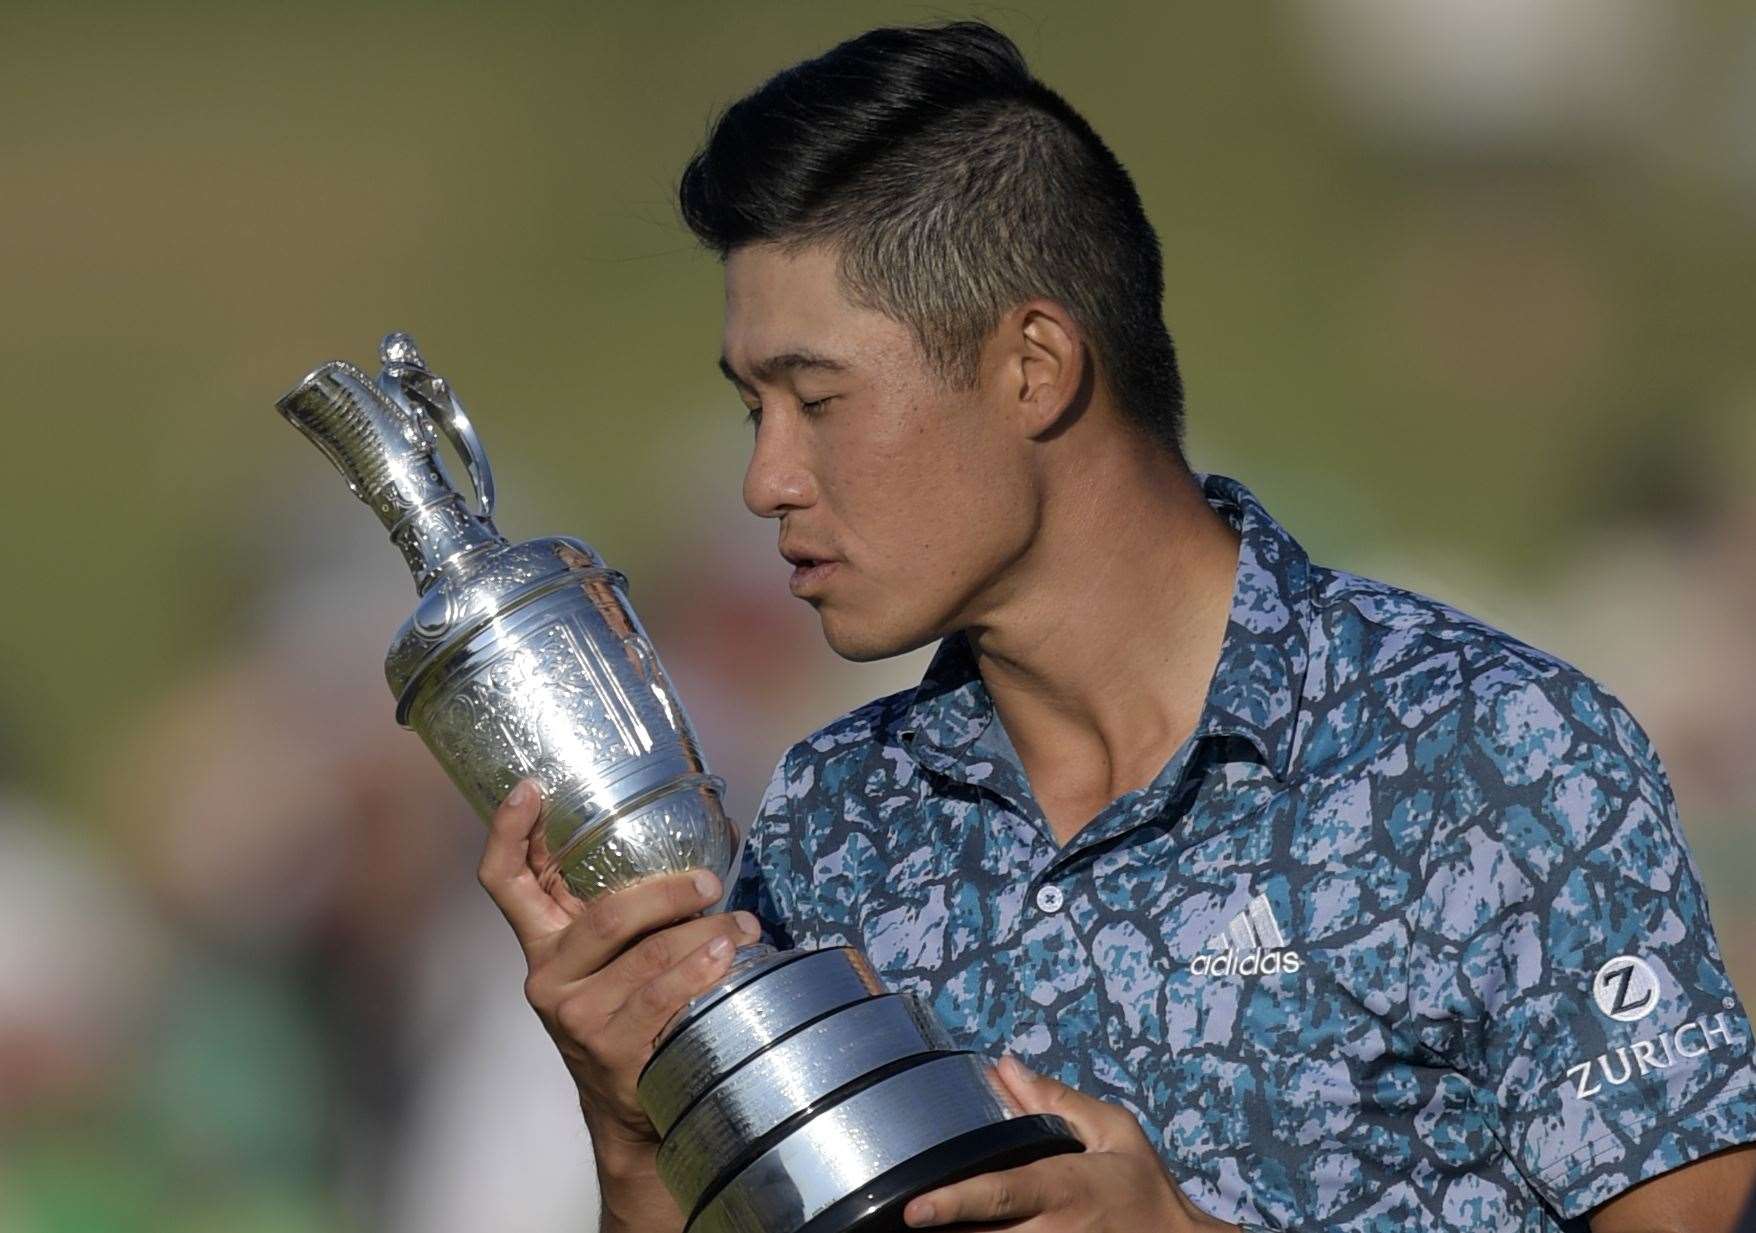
[[753, 415]]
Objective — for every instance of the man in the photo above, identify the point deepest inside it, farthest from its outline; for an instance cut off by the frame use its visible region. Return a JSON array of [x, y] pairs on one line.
[[1310, 902]]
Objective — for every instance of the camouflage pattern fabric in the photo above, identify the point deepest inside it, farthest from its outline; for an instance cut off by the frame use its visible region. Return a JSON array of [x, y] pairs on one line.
[[1405, 936]]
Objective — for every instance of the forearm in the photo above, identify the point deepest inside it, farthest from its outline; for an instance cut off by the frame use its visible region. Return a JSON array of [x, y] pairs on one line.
[[611, 1223], [632, 1197]]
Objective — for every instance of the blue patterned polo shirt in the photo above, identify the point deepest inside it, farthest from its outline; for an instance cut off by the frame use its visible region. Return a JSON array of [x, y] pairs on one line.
[[1404, 936]]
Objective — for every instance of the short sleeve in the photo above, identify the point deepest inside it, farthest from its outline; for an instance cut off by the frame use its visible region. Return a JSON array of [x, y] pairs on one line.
[[759, 887], [1565, 935]]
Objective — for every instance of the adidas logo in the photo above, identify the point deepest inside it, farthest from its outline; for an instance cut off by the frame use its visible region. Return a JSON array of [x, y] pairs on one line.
[[1252, 944]]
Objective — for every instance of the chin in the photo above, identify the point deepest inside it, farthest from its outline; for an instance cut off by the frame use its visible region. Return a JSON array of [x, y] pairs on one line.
[[862, 643]]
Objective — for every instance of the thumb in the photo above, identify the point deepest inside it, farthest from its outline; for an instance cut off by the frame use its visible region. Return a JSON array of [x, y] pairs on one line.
[[1101, 1126]]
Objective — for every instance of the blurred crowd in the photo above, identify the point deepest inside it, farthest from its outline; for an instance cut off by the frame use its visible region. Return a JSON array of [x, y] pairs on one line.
[[247, 980]]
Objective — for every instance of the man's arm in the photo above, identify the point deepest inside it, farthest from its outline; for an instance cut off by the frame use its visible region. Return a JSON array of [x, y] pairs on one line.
[[1707, 1196], [1565, 924]]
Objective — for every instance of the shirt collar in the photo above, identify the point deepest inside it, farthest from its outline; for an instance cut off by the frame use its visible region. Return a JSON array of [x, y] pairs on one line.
[[1257, 684]]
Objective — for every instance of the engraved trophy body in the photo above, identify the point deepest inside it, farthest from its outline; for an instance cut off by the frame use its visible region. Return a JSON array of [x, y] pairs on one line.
[[795, 1096]]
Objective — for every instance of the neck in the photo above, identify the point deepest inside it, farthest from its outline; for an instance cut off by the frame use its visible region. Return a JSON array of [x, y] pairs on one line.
[[1100, 654]]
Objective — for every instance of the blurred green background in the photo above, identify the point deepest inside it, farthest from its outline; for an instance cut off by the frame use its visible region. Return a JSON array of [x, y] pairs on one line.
[[1461, 291]]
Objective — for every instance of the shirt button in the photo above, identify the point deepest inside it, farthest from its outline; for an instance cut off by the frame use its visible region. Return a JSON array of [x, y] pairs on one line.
[[1049, 898]]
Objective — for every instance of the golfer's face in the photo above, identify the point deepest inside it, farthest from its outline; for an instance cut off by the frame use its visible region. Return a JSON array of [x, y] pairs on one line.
[[882, 481]]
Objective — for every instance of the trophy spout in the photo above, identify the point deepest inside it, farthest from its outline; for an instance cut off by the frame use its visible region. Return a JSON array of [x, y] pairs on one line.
[[383, 447]]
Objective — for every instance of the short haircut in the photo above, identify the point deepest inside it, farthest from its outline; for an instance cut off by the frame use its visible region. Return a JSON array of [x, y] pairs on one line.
[[954, 186]]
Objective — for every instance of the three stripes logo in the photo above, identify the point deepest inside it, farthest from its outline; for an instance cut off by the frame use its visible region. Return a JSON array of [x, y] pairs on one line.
[[1251, 944]]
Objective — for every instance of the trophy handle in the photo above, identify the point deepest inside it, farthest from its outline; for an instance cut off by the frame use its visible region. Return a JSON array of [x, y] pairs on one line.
[[430, 399]]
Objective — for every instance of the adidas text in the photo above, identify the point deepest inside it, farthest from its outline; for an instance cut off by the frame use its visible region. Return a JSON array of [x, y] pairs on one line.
[[1251, 944], [1253, 963]]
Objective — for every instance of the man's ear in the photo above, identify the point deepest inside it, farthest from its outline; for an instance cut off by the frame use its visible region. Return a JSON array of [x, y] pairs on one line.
[[1047, 366]]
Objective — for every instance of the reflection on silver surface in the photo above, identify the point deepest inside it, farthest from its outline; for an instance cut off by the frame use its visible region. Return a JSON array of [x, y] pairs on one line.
[[736, 1027], [793, 1075], [520, 660], [850, 1144], [748, 963]]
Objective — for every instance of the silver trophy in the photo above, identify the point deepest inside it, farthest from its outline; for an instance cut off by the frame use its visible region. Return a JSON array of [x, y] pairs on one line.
[[795, 1096]]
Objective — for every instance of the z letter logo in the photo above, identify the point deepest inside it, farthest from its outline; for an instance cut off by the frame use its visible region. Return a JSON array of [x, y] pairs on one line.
[[1626, 988]]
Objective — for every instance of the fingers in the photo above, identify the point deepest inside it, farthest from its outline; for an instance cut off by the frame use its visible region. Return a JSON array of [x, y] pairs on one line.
[[612, 923], [1100, 1125], [663, 980], [600, 966], [505, 871], [1118, 1182], [1014, 1194], [608, 1021]]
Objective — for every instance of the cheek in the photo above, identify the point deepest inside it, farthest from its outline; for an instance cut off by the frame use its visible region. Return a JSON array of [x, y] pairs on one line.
[[909, 480], [883, 484], [937, 519]]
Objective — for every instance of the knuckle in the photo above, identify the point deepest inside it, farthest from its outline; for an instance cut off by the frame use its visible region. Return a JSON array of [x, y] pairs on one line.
[[652, 995], [655, 997], [653, 957], [577, 1016], [679, 894], [486, 877], [1063, 1186], [605, 917]]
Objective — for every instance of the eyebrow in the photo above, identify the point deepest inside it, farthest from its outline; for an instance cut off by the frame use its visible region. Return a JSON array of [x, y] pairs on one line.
[[787, 361]]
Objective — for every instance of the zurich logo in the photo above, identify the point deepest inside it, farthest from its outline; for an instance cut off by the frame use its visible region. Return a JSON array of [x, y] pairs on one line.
[[1626, 988]]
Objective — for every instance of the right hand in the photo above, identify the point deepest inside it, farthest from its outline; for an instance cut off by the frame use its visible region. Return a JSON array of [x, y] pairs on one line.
[[605, 976]]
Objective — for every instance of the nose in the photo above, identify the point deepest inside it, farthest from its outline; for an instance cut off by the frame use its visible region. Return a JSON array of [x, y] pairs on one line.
[[777, 480]]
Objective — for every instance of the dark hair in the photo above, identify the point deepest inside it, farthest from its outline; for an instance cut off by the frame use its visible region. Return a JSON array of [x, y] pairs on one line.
[[954, 185]]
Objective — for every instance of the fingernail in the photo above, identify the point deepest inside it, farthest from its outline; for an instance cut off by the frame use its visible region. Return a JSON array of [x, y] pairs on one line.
[[920, 1212], [520, 793], [747, 925], [706, 885], [719, 948]]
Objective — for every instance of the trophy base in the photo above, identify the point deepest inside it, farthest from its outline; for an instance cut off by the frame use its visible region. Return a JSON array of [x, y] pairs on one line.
[[798, 1096], [877, 1208]]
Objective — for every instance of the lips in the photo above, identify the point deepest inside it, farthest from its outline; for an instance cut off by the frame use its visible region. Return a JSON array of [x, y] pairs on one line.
[[810, 570], [805, 557], [808, 579]]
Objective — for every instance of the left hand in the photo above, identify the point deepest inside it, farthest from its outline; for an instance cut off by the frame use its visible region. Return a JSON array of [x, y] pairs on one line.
[[1116, 1185]]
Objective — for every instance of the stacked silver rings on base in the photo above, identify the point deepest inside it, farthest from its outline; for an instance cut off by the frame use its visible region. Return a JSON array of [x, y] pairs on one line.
[[798, 1096]]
